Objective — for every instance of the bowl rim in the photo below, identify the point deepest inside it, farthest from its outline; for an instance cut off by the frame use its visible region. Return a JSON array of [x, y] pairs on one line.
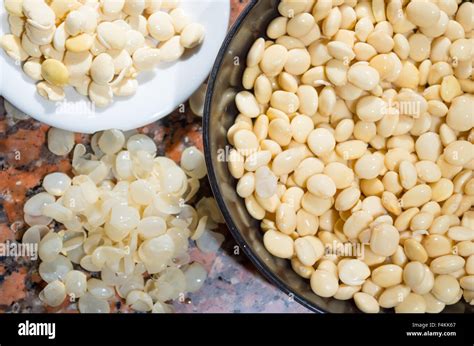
[[260, 265]]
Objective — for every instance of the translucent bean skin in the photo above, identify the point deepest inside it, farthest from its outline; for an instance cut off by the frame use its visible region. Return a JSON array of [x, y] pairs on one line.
[[368, 118]]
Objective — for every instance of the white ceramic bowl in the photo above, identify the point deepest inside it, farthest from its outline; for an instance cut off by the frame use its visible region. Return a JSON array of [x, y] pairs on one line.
[[159, 92]]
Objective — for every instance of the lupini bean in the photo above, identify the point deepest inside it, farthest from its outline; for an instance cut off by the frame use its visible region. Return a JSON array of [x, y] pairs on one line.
[[340, 174], [54, 72], [413, 303], [445, 288], [102, 69], [274, 59], [413, 274], [347, 199], [278, 244], [287, 161], [316, 205], [415, 251], [306, 223], [324, 284], [346, 292], [393, 296], [300, 25], [300, 269], [332, 22], [353, 272], [366, 303], [461, 233], [458, 117], [308, 250], [287, 82], [387, 275], [381, 41], [192, 35], [340, 51], [145, 58], [416, 196], [470, 259], [306, 169], [459, 153], [384, 239], [301, 127], [321, 141], [327, 101], [246, 142], [363, 76], [255, 54], [447, 264], [280, 132], [286, 218], [321, 185], [369, 166], [433, 305], [285, 101], [111, 35], [277, 27], [423, 14], [80, 43], [247, 104], [427, 282], [171, 50]]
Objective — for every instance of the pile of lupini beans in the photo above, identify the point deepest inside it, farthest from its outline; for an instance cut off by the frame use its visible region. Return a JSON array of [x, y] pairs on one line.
[[98, 47], [356, 128], [124, 216]]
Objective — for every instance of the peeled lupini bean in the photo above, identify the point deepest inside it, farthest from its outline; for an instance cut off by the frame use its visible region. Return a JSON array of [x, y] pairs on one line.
[[32, 67], [358, 120], [192, 35], [73, 41], [171, 50], [146, 58]]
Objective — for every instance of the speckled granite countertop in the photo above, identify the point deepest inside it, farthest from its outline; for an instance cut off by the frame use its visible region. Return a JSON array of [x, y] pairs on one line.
[[233, 284]]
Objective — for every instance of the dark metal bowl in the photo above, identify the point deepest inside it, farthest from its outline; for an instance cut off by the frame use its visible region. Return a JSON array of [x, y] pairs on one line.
[[219, 114]]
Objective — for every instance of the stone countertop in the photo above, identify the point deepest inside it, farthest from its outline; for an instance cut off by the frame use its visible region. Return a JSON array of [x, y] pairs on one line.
[[233, 284]]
